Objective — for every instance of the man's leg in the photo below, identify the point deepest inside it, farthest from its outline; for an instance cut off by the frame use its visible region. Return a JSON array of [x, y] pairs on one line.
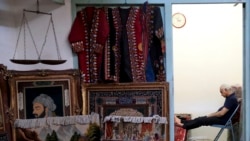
[[200, 121]]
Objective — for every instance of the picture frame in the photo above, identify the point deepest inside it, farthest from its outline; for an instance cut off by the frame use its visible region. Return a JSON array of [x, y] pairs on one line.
[[5, 128], [142, 99], [2, 119], [63, 86]]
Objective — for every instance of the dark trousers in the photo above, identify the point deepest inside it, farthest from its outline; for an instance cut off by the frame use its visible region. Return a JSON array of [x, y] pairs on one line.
[[201, 121]]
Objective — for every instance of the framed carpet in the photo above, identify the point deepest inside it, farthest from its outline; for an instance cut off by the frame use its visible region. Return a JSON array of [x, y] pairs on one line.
[[56, 90], [127, 99]]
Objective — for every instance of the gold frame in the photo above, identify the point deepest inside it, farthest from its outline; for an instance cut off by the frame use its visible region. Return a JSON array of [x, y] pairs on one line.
[[21, 80], [95, 92], [2, 119]]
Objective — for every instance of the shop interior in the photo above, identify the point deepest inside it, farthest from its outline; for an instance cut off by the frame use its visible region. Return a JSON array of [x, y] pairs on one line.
[[208, 48]]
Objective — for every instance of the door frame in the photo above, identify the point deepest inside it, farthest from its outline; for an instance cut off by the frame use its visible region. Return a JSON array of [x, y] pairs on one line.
[[246, 58]]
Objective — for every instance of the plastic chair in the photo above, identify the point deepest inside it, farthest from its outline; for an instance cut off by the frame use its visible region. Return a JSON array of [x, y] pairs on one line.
[[228, 125]]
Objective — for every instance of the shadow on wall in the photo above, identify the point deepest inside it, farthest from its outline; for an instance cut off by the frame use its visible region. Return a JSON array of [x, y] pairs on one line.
[[6, 18]]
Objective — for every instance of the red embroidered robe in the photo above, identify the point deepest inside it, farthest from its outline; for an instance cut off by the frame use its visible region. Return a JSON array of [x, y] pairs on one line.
[[88, 36]]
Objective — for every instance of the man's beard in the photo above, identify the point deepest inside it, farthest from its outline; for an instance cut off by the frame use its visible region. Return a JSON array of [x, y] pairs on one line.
[[41, 116]]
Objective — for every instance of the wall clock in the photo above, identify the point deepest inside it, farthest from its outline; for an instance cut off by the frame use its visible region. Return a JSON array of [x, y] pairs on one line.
[[178, 20]]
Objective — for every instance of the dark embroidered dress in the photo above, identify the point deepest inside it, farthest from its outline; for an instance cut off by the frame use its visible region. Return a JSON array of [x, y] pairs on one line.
[[130, 44], [153, 43]]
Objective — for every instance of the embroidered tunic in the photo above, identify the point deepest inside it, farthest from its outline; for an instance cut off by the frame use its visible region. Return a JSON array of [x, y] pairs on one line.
[[88, 36], [129, 41], [153, 43]]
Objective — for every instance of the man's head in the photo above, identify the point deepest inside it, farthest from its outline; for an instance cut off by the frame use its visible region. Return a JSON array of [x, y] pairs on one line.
[[43, 106], [225, 90]]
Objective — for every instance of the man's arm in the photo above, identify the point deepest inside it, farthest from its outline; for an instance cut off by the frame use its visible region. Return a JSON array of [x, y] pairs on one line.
[[220, 113]]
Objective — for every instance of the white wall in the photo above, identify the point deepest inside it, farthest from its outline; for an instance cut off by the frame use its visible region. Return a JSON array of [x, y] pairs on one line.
[[207, 53], [7, 29], [11, 15]]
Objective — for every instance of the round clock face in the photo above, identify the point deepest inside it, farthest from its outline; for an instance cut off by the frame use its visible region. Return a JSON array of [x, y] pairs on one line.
[[178, 20]]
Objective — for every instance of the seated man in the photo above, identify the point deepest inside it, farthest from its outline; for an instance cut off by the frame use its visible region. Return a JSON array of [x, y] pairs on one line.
[[219, 117]]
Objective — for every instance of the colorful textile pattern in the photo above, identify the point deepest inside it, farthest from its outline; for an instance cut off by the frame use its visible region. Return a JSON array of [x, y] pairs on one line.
[[135, 128], [181, 134], [63, 128], [119, 45], [147, 102]]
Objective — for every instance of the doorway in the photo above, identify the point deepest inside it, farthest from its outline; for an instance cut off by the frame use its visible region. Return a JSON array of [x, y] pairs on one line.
[[207, 52]]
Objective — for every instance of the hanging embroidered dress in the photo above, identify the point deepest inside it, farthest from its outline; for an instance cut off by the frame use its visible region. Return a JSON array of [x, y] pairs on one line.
[[153, 43], [128, 31], [119, 45], [88, 36]]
